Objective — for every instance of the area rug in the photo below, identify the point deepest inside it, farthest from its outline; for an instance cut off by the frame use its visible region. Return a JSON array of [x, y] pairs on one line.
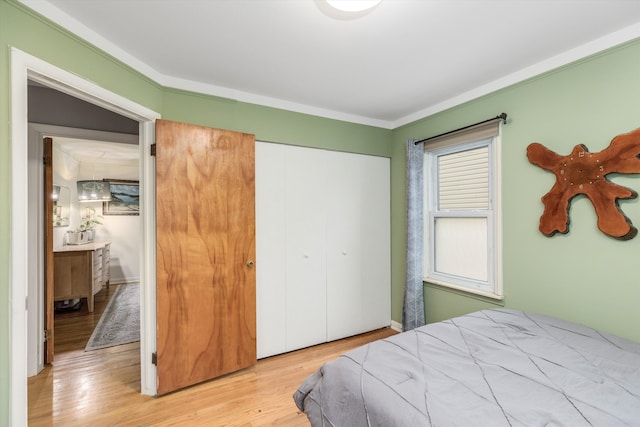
[[120, 321]]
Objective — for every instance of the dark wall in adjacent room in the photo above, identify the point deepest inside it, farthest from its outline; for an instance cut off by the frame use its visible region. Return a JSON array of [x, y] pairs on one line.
[[51, 107]]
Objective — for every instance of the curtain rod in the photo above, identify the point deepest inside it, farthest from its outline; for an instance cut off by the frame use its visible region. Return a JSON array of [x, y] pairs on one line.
[[502, 116]]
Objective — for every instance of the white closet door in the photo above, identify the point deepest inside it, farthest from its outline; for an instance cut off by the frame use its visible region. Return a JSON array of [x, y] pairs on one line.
[[323, 246], [271, 250], [358, 244], [306, 204]]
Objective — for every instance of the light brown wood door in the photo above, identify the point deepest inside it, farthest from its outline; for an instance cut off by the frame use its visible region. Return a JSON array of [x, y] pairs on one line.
[[205, 222], [48, 249]]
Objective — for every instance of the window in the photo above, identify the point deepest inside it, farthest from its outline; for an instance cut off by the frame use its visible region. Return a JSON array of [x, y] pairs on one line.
[[462, 232]]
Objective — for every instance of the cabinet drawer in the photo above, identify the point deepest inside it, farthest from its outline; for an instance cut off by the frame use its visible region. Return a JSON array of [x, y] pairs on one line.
[[97, 271], [106, 264], [97, 284]]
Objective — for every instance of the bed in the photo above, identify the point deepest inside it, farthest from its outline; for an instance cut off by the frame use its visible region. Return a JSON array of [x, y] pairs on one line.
[[489, 368]]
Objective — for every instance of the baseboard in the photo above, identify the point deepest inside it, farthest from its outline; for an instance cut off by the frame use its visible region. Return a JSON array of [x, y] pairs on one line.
[[124, 280], [396, 326]]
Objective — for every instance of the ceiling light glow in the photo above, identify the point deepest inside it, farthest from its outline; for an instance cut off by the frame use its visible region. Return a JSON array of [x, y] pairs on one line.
[[353, 5]]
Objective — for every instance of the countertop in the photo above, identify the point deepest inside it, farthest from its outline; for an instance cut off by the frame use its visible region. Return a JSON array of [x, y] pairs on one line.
[[91, 246]]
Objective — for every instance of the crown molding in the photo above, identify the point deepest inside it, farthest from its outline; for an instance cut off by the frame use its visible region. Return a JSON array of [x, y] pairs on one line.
[[74, 26]]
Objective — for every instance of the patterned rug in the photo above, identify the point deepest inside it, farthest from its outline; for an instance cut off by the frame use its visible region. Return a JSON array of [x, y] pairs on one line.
[[120, 322]]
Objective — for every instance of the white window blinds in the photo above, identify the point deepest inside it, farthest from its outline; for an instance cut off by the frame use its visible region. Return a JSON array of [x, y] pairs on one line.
[[463, 180]]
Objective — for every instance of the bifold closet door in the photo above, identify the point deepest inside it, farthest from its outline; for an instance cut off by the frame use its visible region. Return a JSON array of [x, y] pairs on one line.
[[306, 273], [358, 244], [323, 248], [290, 246], [271, 249]]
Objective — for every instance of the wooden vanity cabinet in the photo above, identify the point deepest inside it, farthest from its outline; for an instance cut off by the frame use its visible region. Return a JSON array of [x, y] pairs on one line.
[[80, 271]]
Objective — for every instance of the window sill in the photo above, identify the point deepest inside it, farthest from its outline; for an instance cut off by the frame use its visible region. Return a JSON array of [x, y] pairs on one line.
[[490, 297]]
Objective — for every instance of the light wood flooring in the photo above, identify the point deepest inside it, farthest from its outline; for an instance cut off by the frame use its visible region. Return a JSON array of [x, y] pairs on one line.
[[102, 387]]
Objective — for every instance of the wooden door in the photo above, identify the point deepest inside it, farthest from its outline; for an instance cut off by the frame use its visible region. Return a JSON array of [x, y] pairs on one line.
[[205, 225], [48, 250]]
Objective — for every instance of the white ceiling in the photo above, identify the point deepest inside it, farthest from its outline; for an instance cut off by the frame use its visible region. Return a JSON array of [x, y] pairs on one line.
[[91, 151], [400, 62]]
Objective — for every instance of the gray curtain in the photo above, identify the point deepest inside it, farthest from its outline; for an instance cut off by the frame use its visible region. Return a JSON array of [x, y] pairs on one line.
[[413, 307]]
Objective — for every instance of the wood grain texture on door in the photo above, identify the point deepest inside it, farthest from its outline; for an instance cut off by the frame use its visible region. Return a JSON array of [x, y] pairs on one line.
[[205, 221]]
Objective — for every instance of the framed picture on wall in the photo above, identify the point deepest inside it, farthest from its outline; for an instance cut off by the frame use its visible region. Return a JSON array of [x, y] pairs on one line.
[[125, 198]]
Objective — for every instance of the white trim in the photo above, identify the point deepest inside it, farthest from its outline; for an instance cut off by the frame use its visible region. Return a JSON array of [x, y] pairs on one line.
[[148, 377], [123, 280], [18, 280], [497, 216], [492, 288], [89, 134], [251, 98], [463, 288], [76, 27], [616, 38], [396, 326], [24, 67]]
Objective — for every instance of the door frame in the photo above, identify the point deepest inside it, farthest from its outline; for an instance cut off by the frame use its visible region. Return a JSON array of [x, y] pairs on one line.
[[24, 67]]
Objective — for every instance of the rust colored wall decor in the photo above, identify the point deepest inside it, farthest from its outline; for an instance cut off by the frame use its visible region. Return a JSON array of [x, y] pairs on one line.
[[582, 172]]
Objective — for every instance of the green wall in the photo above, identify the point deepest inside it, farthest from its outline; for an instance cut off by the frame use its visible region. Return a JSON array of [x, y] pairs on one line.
[[21, 28], [584, 276]]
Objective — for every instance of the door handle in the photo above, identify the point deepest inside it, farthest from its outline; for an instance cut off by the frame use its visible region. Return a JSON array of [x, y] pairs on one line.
[[250, 263]]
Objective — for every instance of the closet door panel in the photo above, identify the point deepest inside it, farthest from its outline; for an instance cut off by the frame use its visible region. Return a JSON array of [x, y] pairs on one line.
[[344, 246], [376, 245], [305, 247], [358, 245], [271, 292]]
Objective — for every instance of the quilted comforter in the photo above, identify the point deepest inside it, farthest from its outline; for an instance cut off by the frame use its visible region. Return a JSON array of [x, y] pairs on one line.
[[489, 368]]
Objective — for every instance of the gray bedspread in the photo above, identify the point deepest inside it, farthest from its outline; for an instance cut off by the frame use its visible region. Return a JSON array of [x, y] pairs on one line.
[[490, 368]]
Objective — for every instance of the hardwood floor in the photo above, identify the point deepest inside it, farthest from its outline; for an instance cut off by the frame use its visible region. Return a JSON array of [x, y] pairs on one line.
[[102, 387]]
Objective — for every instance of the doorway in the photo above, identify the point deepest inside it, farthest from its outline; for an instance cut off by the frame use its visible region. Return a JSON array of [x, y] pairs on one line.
[[116, 235], [23, 68]]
